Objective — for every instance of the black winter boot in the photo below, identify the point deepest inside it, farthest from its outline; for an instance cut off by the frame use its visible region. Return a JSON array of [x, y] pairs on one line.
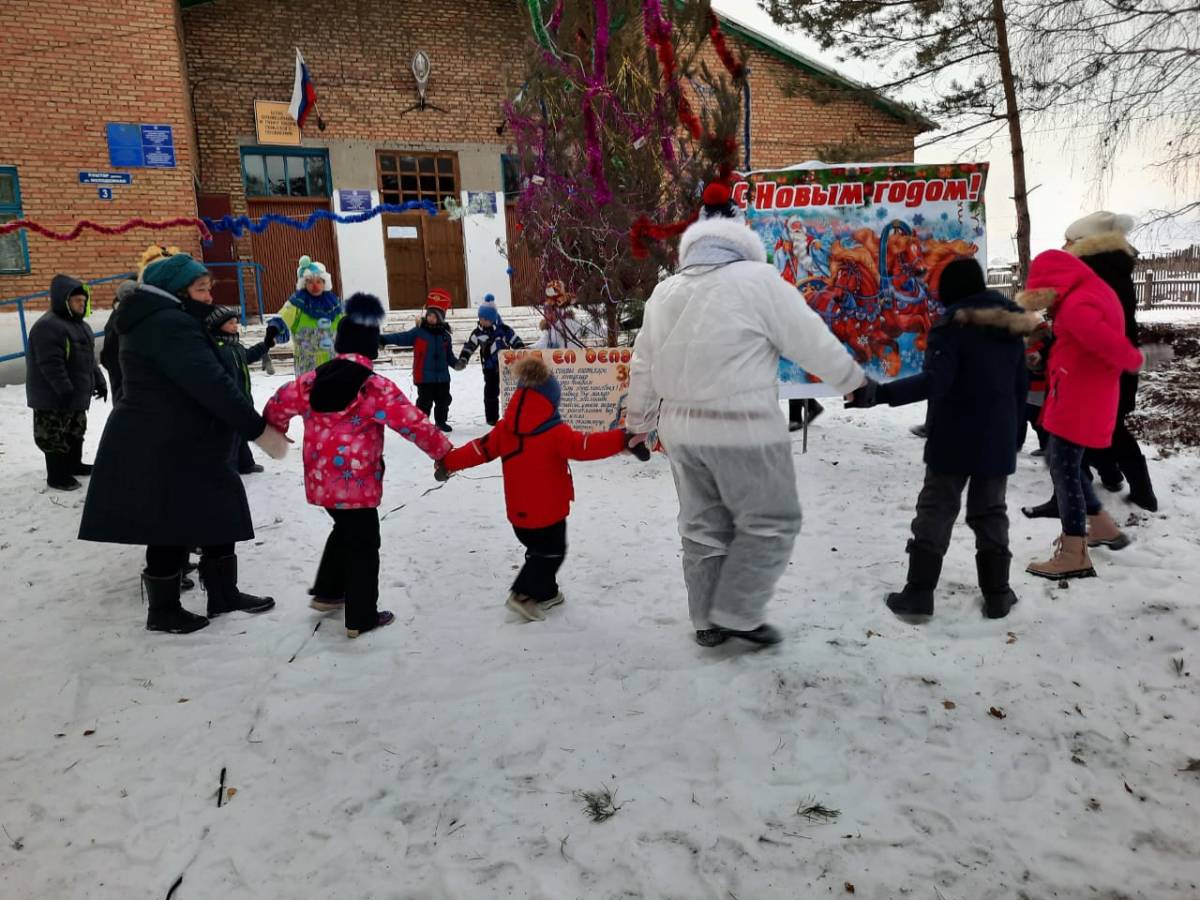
[[924, 570], [1047, 510], [1141, 492], [998, 597], [764, 634], [219, 578], [58, 472], [77, 465], [165, 613]]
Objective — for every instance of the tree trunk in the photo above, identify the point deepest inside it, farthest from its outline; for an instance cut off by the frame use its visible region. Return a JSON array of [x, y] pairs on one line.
[[1013, 114]]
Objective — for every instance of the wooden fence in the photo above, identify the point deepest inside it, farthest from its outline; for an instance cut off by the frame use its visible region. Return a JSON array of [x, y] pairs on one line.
[[1153, 291]]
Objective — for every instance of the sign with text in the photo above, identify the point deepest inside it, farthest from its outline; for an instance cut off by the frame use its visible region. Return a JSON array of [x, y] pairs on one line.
[[595, 383], [140, 146], [355, 201], [105, 178], [273, 123], [865, 246]]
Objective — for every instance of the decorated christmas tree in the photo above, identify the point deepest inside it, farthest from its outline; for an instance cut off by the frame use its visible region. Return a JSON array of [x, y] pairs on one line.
[[620, 122]]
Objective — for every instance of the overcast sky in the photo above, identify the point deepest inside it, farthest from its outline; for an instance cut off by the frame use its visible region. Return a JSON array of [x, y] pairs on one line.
[[1056, 158]]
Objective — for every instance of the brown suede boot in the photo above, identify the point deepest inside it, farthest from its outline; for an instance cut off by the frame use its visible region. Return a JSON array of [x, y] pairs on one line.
[[1070, 560], [1103, 532]]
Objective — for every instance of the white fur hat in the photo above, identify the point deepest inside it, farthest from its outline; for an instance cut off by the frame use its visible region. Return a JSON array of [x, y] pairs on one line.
[[1100, 222], [309, 269]]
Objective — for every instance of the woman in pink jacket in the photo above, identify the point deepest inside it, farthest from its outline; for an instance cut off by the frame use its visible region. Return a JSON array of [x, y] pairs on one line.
[[1089, 354], [345, 406]]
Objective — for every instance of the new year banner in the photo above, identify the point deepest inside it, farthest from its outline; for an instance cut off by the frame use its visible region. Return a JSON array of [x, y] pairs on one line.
[[865, 246], [595, 383]]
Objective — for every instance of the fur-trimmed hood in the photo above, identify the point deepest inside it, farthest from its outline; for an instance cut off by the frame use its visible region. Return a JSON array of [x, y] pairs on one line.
[[1105, 242], [1007, 318], [1035, 300], [717, 241]]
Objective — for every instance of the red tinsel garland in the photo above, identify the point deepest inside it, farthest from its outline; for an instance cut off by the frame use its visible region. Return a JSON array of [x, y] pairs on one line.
[[732, 65], [643, 229], [87, 224]]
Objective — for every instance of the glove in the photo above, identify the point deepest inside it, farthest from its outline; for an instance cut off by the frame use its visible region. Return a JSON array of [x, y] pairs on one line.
[[282, 334], [459, 365], [100, 390], [636, 444], [440, 473], [270, 338], [273, 442], [863, 397]]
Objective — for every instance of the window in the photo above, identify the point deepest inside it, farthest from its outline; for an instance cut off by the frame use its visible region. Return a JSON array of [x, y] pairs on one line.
[[14, 252], [285, 174], [510, 169], [405, 177]]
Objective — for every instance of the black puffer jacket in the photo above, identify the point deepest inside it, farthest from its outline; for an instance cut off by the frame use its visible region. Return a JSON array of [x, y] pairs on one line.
[[163, 473], [1111, 257], [60, 367]]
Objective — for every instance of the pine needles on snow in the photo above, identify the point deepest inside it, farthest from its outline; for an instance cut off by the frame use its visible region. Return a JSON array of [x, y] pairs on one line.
[[600, 805], [815, 811]]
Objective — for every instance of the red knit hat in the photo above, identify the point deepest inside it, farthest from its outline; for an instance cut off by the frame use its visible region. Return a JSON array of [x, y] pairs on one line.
[[439, 298]]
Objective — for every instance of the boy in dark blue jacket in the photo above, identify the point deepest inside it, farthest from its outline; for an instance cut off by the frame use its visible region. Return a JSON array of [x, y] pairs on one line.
[[432, 356], [490, 337], [975, 381]]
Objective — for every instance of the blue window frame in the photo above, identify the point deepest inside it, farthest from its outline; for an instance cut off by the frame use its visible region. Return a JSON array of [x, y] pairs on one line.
[[285, 172], [14, 251]]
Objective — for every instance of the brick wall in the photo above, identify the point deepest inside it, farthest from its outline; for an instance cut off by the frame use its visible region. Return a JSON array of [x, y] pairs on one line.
[[68, 69]]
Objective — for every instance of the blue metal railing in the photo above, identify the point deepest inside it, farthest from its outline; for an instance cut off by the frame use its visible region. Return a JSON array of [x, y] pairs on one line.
[[19, 302]]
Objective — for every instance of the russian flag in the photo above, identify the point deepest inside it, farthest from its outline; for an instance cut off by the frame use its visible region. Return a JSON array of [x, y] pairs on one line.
[[304, 95]]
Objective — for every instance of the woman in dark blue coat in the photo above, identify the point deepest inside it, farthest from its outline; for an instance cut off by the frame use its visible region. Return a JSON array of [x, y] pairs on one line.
[[974, 379]]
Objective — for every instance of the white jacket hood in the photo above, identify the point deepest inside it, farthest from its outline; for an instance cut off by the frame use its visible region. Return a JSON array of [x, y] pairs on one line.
[[720, 240]]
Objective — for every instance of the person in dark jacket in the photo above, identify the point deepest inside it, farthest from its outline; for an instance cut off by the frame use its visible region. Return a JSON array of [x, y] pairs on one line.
[[61, 378], [489, 337], [110, 349], [432, 357], [163, 476], [224, 327], [975, 381]]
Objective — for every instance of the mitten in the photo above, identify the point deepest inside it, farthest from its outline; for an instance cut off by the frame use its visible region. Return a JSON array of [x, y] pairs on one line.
[[282, 334], [271, 336], [100, 389], [440, 473], [636, 444], [459, 365], [864, 397]]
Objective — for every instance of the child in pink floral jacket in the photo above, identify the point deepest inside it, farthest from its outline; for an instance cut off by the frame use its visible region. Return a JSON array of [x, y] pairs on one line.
[[345, 407]]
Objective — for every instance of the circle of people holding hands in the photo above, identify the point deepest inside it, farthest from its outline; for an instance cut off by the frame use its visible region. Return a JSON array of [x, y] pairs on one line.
[[167, 472]]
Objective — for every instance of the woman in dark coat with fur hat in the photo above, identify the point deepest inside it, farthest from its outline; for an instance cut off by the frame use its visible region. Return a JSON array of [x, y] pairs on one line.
[[163, 475]]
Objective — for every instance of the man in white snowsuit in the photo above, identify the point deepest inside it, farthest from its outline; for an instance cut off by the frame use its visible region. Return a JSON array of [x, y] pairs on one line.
[[705, 374]]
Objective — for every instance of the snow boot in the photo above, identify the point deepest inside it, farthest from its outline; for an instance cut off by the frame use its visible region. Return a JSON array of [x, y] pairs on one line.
[[219, 577], [1070, 560], [924, 570], [443, 426], [992, 569], [165, 613], [711, 637], [764, 634], [58, 472], [919, 431], [77, 465], [525, 607], [252, 470], [383, 618], [1047, 510], [322, 604], [557, 600], [1141, 492], [1103, 532]]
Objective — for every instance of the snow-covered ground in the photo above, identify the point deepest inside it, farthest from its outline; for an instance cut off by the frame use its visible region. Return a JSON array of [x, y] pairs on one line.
[[440, 757]]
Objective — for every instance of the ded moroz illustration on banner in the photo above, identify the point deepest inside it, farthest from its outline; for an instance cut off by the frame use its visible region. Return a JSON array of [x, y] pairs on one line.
[[865, 245]]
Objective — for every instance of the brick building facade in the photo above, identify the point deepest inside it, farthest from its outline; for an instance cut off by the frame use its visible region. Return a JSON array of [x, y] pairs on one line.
[[212, 59]]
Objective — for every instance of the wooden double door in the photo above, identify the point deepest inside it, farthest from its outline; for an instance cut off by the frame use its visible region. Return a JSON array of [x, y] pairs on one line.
[[423, 252]]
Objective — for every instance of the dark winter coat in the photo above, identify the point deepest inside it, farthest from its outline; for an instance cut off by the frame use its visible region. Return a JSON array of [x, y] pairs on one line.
[[110, 351], [60, 367], [490, 341], [1111, 257], [432, 351], [163, 472], [238, 358], [976, 384]]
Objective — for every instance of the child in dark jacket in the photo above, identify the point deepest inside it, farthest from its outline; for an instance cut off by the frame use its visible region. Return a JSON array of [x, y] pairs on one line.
[[432, 356], [225, 330], [534, 445], [61, 378], [975, 381], [490, 337], [345, 407]]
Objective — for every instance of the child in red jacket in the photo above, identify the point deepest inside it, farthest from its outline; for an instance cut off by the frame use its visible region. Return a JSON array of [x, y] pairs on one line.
[[534, 445]]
